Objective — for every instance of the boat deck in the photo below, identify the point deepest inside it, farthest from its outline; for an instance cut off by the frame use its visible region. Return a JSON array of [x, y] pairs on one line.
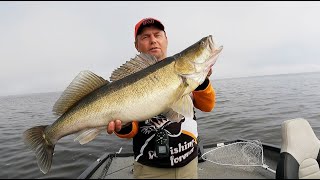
[[121, 168]]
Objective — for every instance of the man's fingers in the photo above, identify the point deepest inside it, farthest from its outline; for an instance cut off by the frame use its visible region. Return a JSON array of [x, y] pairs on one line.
[[209, 73], [117, 125], [110, 127]]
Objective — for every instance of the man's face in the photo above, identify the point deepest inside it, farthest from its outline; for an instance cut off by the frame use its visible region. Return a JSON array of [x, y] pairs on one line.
[[152, 41]]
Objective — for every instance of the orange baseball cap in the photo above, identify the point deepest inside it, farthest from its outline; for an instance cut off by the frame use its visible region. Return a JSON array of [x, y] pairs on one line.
[[146, 22]]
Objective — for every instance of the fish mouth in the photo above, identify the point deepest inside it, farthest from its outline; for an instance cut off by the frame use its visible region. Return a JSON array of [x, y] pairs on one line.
[[214, 53], [211, 43]]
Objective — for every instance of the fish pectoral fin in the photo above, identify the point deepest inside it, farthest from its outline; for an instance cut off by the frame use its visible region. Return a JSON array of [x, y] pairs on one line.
[[83, 84], [141, 61], [183, 106], [88, 135], [171, 115]]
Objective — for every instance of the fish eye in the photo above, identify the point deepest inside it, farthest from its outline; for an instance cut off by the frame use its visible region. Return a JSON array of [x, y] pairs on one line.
[[202, 43]]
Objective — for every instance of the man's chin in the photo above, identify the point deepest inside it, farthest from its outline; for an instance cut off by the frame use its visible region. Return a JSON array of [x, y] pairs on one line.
[[157, 55]]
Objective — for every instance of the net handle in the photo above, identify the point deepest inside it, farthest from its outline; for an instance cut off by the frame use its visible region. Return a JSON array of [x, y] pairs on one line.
[[267, 168]]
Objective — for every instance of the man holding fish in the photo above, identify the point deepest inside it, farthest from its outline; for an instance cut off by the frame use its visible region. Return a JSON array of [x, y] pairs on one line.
[[179, 157], [152, 95]]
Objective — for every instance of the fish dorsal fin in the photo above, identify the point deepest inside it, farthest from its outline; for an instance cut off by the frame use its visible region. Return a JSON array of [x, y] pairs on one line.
[[141, 61], [84, 83], [183, 106]]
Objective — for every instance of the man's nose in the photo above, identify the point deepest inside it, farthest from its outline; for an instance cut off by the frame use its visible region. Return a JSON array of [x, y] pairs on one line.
[[153, 39]]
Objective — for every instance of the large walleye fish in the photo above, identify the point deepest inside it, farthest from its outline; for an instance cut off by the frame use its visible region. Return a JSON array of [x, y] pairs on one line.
[[140, 89]]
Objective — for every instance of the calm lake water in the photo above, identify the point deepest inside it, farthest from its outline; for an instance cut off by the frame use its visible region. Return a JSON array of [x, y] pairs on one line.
[[249, 108]]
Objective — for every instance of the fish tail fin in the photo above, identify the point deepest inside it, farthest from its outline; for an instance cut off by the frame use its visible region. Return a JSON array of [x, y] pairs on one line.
[[37, 141]]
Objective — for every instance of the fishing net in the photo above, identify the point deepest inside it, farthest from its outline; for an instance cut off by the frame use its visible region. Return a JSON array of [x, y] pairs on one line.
[[243, 153]]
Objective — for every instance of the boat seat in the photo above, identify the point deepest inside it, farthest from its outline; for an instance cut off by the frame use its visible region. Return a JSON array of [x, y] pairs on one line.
[[299, 155]]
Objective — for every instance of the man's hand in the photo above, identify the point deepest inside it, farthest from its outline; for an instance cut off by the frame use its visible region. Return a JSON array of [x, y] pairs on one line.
[[209, 73], [114, 126]]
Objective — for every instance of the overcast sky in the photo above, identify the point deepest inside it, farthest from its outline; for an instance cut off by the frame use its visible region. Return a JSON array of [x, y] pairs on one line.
[[44, 45]]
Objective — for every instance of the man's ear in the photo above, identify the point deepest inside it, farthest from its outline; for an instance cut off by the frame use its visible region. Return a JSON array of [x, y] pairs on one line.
[[136, 45]]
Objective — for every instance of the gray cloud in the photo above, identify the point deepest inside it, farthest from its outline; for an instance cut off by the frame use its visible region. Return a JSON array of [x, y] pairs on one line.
[[44, 45]]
